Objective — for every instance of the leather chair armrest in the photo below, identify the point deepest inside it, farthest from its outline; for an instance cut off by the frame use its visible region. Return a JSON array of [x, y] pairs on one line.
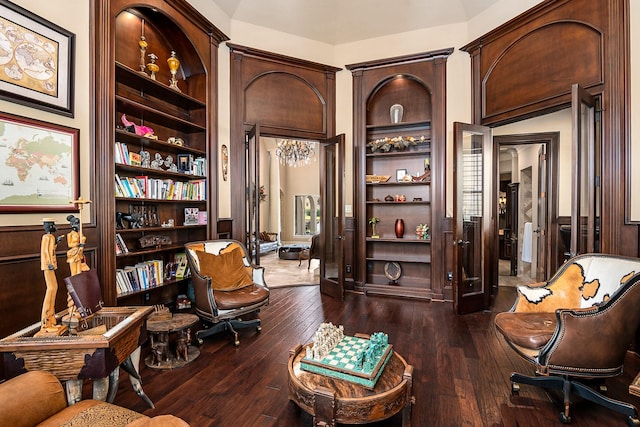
[[30, 398]]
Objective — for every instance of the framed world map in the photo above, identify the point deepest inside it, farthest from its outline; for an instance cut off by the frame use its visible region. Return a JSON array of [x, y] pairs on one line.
[[39, 166], [36, 61]]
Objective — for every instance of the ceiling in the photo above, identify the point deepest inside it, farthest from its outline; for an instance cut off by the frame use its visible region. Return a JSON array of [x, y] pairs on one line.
[[344, 21]]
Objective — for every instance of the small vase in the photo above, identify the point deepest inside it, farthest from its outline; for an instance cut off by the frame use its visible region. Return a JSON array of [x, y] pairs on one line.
[[399, 228], [396, 111]]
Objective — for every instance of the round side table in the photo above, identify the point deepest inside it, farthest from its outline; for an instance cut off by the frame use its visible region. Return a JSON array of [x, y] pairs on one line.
[[164, 357], [331, 401]]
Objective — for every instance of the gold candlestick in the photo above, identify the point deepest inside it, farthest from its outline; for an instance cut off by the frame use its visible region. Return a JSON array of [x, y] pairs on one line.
[[174, 64], [152, 66], [142, 43]]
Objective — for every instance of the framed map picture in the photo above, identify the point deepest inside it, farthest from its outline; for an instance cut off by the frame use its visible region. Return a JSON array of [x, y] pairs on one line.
[[39, 166], [36, 61]]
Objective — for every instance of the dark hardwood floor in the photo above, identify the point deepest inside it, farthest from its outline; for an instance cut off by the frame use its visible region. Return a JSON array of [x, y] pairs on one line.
[[461, 364]]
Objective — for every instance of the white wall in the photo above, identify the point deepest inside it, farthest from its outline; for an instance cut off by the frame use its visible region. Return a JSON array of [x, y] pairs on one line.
[[58, 12]]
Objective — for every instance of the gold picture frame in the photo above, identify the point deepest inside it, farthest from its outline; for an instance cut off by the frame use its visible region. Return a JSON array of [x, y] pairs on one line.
[[46, 83]]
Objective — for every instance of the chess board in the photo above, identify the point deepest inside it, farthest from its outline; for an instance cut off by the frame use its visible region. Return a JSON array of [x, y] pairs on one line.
[[341, 363]]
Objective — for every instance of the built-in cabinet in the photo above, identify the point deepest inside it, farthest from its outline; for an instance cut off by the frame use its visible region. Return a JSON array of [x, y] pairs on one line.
[[159, 147], [399, 143]]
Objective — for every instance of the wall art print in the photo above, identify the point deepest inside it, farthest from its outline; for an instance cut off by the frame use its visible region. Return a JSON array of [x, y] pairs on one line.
[[39, 166], [36, 61]]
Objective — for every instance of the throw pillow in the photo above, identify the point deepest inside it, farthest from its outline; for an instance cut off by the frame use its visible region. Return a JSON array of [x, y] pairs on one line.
[[227, 270]]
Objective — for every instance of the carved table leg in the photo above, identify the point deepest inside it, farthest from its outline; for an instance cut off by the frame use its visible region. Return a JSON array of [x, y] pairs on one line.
[[324, 408]]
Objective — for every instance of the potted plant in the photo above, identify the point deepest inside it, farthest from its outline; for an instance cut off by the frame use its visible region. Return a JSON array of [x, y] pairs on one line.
[[422, 231]]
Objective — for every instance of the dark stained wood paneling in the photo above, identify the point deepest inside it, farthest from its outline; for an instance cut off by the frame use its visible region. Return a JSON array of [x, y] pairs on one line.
[[510, 82], [288, 97], [528, 64], [302, 108], [525, 68], [22, 286]]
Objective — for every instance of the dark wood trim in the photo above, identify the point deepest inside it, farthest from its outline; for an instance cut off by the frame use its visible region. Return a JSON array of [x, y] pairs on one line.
[[415, 57]]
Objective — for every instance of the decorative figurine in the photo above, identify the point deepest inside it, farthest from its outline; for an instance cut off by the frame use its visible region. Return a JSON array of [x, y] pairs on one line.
[[157, 162], [145, 159], [152, 66], [373, 221], [168, 163], [48, 265], [174, 64]]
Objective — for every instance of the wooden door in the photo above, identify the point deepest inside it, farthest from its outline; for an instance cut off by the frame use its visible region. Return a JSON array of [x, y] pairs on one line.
[[512, 225], [585, 159], [541, 227], [332, 192], [474, 205], [252, 193]]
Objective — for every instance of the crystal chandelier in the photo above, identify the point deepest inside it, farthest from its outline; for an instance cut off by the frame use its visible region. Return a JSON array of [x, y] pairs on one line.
[[295, 153]]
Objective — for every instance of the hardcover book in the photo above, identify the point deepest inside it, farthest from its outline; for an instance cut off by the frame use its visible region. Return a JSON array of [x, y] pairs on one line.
[[84, 289]]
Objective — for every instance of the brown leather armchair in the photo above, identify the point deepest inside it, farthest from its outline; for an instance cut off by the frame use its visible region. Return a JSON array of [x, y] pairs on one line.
[[577, 327], [226, 286]]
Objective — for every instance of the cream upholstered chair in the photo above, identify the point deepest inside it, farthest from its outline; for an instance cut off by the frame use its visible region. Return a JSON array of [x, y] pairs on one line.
[[577, 326], [226, 286]]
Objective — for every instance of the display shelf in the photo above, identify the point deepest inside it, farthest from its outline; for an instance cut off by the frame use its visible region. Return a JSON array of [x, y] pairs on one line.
[[422, 151], [408, 239], [152, 114], [148, 229], [394, 127], [149, 87], [139, 252], [165, 284], [402, 259], [150, 143], [185, 114], [417, 82]]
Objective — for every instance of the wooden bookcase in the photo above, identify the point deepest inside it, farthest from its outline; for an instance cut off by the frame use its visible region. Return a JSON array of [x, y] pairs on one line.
[[416, 82], [151, 180]]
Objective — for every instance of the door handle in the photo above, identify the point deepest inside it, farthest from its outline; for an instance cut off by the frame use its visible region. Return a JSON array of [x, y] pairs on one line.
[[339, 237], [461, 242]]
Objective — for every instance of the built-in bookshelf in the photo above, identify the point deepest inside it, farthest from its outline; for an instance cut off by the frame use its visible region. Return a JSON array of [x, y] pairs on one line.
[[399, 140], [162, 133]]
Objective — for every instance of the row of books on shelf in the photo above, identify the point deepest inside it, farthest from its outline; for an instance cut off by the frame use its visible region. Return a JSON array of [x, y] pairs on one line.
[[121, 246], [145, 187], [150, 274], [185, 163]]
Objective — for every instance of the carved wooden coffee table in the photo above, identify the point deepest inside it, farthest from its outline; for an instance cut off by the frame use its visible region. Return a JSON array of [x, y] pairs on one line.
[[332, 401], [181, 324]]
